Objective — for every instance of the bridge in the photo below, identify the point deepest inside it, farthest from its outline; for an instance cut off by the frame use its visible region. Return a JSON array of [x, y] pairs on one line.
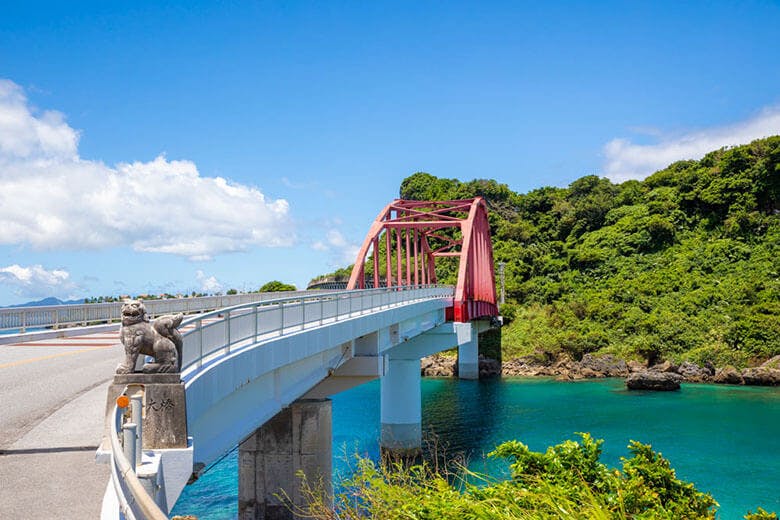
[[258, 374]]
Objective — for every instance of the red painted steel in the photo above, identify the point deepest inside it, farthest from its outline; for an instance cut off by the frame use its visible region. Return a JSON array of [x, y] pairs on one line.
[[409, 227]]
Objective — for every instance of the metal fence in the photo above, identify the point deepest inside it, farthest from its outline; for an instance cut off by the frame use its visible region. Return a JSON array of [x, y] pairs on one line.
[[55, 316], [221, 331]]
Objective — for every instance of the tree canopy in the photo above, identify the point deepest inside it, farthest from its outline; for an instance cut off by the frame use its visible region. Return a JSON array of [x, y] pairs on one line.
[[276, 286], [681, 265]]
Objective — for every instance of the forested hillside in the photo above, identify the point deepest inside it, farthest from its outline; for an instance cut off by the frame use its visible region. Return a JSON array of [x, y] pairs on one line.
[[682, 265]]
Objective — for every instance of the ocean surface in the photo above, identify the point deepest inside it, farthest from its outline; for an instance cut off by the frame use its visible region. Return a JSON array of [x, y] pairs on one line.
[[725, 439]]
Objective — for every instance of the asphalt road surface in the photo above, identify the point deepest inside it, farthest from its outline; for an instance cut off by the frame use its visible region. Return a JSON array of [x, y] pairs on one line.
[[52, 401]]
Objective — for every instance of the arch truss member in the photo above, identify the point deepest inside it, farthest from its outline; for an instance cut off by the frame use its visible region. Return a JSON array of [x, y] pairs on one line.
[[409, 236]]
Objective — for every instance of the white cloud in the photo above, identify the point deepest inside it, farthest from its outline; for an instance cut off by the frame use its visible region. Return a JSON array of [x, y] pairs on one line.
[[50, 198], [626, 160], [35, 281], [343, 252], [208, 284]]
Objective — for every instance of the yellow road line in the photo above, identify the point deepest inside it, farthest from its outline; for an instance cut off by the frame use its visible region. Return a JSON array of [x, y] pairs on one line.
[[42, 358]]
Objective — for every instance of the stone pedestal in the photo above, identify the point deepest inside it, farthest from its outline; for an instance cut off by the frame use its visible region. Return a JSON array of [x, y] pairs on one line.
[[164, 407], [299, 438]]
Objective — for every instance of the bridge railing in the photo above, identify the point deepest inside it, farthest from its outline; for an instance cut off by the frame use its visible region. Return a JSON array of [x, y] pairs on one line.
[[135, 502], [220, 332], [55, 316]]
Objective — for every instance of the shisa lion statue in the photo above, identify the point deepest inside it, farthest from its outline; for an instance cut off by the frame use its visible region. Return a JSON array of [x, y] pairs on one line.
[[159, 339]]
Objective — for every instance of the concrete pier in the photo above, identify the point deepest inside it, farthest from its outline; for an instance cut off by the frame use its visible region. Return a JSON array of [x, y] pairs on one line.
[[401, 408], [468, 357], [299, 438]]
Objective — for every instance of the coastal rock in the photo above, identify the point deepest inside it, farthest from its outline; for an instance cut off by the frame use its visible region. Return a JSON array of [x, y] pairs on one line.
[[603, 366], [523, 366], [666, 366], [438, 366], [728, 376], [488, 367], [761, 376], [773, 362], [653, 380], [693, 372], [636, 366]]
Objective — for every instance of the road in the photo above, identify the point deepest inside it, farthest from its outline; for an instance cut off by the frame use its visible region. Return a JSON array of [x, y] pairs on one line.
[[52, 399]]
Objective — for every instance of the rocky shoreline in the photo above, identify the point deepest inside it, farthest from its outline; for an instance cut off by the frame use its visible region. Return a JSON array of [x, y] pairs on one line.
[[663, 376]]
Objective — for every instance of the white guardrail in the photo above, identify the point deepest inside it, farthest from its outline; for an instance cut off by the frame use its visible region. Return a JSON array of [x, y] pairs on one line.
[[209, 336], [222, 331], [134, 502], [55, 316]]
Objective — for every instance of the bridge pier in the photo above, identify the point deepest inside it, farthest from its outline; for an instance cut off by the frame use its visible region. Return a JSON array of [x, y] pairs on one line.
[[468, 356], [401, 408], [299, 438]]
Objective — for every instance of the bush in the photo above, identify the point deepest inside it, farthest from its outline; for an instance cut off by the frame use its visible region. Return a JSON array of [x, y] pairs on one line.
[[567, 481]]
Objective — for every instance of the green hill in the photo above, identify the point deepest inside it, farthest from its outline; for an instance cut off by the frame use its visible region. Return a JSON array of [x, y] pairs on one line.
[[682, 265]]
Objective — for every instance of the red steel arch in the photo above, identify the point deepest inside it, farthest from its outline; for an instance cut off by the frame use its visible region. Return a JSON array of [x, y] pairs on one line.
[[407, 228]]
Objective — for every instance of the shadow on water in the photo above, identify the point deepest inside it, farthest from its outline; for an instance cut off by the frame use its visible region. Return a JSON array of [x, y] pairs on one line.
[[459, 416]]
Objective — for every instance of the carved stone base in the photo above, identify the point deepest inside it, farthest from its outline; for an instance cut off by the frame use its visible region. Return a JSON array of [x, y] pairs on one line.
[[164, 407]]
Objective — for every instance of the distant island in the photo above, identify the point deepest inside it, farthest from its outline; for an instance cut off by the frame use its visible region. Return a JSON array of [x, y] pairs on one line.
[[272, 286]]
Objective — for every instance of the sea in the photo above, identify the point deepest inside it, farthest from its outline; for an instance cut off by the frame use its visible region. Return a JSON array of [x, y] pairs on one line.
[[725, 439]]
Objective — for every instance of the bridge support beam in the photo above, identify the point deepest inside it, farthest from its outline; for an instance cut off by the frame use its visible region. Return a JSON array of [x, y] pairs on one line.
[[468, 357], [299, 438], [401, 408]]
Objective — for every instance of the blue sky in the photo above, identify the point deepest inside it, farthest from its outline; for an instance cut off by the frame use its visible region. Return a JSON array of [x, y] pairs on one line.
[[207, 146]]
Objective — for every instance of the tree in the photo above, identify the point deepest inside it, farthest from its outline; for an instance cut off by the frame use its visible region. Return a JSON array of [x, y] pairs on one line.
[[276, 286]]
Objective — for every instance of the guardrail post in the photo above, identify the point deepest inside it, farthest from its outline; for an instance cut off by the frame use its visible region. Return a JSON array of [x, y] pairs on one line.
[[200, 342], [128, 443], [281, 318], [24, 323], [227, 332], [254, 319], [137, 415]]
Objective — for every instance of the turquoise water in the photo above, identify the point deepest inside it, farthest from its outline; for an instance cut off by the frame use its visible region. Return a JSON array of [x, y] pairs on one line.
[[722, 438]]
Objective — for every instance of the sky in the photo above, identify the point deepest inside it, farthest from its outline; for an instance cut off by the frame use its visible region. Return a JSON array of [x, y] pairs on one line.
[[150, 147]]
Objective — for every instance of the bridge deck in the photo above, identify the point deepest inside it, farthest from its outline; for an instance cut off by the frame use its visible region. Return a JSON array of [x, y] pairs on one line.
[[51, 422]]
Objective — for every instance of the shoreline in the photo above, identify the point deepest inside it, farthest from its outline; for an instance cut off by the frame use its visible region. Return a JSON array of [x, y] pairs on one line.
[[599, 367]]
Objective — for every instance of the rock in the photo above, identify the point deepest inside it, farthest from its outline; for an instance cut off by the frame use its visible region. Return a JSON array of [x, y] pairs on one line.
[[603, 366], [728, 375], [438, 366], [488, 367], [653, 380], [589, 373], [693, 372], [666, 366], [636, 366], [773, 362], [523, 366], [761, 376], [447, 366]]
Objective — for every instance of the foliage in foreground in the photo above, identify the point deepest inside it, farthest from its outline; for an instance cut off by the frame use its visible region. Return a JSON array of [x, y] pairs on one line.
[[566, 482]]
